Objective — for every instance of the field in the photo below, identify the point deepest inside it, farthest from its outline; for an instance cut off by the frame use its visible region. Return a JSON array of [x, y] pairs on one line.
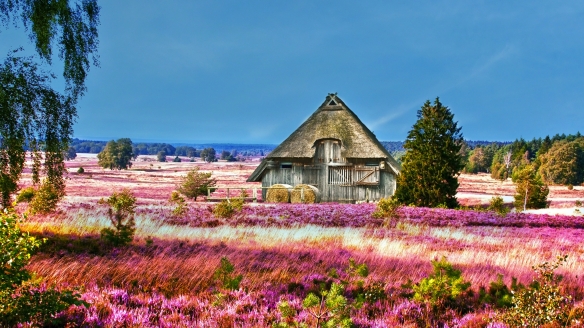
[[165, 277]]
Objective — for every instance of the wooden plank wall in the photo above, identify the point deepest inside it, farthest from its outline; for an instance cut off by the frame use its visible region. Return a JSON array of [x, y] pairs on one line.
[[333, 187]]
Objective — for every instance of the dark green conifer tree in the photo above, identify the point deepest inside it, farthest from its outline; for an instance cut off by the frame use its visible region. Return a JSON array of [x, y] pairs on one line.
[[431, 165]]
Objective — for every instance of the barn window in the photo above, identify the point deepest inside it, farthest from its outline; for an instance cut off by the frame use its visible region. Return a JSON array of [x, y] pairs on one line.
[[286, 166]]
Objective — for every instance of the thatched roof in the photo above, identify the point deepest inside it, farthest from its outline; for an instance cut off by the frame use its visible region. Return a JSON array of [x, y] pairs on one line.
[[332, 120]]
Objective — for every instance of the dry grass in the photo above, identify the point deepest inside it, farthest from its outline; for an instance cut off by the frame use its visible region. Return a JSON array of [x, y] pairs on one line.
[[311, 194], [182, 259], [278, 193]]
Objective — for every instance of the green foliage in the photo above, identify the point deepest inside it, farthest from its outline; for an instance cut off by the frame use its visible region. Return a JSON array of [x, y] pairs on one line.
[[181, 205], [542, 303], [208, 155], [45, 199], [81, 170], [70, 153], [497, 205], [480, 159], [226, 208], [442, 289], [161, 156], [387, 208], [498, 295], [36, 117], [531, 192], [116, 155], [225, 275], [26, 195], [121, 210], [563, 163], [21, 300], [331, 309], [195, 184], [432, 163], [72, 27], [177, 159]]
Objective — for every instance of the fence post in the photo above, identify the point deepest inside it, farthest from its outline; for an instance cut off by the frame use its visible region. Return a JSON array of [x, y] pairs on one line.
[[255, 195]]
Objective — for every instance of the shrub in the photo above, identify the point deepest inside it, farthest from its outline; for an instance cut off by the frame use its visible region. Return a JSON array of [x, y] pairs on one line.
[[497, 205], [570, 187], [20, 299], [228, 207], [387, 208], [177, 159], [224, 274], [441, 290], [45, 199], [181, 206], [331, 304], [81, 170], [498, 294], [26, 195], [543, 302], [121, 214], [161, 156], [195, 183]]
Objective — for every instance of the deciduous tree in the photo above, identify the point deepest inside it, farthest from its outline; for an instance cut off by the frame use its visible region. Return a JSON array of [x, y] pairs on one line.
[[431, 165], [117, 155], [563, 163], [531, 192], [33, 113]]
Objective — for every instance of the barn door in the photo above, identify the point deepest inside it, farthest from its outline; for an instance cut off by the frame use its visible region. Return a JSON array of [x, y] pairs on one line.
[[367, 176]]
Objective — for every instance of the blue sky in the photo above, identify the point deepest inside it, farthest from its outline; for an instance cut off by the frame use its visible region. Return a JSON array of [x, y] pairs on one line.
[[253, 71]]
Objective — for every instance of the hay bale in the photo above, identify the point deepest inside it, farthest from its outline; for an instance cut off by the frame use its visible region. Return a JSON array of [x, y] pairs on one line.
[[278, 193], [311, 194]]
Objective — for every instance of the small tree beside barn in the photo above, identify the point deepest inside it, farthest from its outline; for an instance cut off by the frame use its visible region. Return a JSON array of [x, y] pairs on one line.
[[334, 152]]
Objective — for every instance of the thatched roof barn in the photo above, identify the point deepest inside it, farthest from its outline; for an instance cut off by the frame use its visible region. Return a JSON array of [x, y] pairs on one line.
[[334, 152]]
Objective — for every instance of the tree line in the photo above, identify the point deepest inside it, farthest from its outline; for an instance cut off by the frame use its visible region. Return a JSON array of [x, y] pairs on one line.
[[558, 159]]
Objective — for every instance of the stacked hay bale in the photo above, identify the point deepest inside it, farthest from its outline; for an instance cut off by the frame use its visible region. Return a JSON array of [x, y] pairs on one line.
[[311, 194], [278, 193]]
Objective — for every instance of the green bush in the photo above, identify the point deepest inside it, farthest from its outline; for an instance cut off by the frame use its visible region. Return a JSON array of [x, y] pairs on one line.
[[20, 299], [45, 199], [121, 214], [195, 183], [181, 205], [498, 295], [81, 170], [543, 302], [497, 205], [226, 208], [443, 289], [26, 195], [387, 208], [224, 274], [331, 304], [177, 159]]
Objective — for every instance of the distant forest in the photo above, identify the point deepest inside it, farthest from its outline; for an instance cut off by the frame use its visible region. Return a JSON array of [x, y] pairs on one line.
[[183, 149]]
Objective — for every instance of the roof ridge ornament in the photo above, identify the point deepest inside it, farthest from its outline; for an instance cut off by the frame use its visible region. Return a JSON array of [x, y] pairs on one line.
[[333, 99]]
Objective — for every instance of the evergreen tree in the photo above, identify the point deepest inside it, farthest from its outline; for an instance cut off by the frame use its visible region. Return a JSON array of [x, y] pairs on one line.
[[431, 165]]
